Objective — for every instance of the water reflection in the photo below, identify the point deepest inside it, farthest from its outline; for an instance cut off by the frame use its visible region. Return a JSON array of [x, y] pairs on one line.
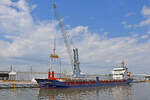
[[103, 93], [137, 91]]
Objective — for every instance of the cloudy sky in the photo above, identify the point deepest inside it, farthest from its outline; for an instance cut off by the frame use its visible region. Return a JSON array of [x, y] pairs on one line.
[[105, 32]]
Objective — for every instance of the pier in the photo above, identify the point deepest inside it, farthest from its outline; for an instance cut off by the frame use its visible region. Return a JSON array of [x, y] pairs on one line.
[[18, 84]]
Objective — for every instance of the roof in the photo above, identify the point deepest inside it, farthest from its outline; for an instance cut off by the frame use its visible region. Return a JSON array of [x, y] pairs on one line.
[[12, 73], [147, 76], [4, 72], [115, 69]]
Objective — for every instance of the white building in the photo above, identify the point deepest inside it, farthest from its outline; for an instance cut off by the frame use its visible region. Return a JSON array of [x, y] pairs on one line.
[[12, 75], [147, 77]]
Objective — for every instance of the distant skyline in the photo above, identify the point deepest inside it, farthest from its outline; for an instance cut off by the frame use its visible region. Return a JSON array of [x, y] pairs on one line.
[[105, 31]]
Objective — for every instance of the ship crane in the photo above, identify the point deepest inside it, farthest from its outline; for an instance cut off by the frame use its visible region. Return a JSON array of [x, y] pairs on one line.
[[74, 59]]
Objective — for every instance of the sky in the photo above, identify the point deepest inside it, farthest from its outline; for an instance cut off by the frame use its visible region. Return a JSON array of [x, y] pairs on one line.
[[106, 32]]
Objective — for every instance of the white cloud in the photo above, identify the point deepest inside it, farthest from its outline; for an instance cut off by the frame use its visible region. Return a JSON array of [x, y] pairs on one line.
[[32, 43], [148, 32], [127, 25], [135, 35], [15, 18], [144, 36], [144, 23], [146, 11], [128, 14], [78, 30], [5, 2]]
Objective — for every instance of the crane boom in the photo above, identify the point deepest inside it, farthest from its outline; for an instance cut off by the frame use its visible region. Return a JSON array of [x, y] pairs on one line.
[[74, 61], [64, 34]]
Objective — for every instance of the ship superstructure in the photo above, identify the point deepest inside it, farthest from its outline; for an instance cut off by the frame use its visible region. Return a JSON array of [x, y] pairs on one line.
[[121, 72]]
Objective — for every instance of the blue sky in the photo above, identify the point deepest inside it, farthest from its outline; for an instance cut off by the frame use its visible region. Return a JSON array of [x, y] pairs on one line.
[[99, 15], [105, 31]]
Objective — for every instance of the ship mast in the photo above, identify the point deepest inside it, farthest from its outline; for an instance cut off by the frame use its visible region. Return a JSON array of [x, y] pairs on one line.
[[123, 64]]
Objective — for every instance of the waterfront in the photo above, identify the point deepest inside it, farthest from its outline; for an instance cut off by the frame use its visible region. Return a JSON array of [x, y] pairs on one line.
[[136, 91]]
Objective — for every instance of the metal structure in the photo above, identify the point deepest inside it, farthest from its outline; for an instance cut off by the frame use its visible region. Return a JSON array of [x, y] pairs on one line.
[[73, 60], [76, 70], [54, 59], [54, 55]]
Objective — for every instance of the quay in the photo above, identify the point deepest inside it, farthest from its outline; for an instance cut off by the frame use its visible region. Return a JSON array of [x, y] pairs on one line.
[[138, 80], [17, 84]]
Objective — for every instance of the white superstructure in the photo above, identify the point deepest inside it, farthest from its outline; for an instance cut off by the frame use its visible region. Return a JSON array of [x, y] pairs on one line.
[[120, 72]]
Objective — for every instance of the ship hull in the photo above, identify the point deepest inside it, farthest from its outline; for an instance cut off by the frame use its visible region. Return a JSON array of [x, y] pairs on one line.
[[48, 83]]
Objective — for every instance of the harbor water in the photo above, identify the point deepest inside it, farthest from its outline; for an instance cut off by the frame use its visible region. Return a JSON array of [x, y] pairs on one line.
[[135, 91]]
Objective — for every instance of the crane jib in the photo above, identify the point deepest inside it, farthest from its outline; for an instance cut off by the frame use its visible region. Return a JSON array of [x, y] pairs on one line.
[[74, 61]]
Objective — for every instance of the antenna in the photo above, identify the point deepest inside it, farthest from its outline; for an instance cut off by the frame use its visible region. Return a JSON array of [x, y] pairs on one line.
[[11, 69]]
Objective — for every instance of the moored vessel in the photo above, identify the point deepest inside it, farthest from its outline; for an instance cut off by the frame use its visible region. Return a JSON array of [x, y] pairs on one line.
[[120, 76]]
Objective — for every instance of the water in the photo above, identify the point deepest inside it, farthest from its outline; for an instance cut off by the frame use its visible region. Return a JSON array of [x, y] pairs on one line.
[[136, 91]]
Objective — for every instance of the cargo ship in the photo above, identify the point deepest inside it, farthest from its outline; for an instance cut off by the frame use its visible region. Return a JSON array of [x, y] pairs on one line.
[[70, 83], [120, 76]]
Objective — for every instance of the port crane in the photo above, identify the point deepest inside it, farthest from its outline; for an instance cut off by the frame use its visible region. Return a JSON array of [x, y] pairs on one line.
[[74, 59]]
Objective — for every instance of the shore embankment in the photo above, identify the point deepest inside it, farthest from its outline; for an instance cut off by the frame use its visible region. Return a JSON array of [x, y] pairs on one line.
[[17, 84]]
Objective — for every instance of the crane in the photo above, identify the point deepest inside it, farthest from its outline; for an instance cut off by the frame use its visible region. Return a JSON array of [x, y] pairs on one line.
[[74, 59]]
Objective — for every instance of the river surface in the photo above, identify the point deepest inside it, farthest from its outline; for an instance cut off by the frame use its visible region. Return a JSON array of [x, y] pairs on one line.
[[135, 91]]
